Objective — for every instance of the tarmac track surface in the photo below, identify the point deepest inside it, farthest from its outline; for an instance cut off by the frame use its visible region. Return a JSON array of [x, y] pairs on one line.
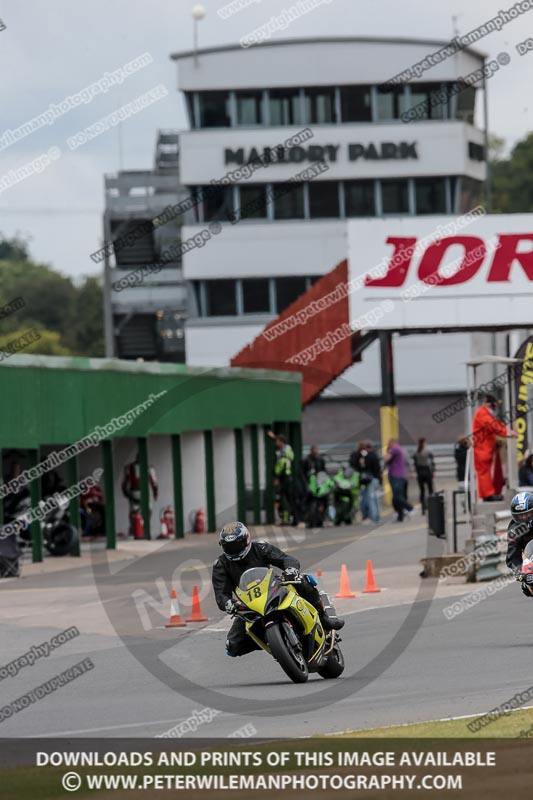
[[404, 660]]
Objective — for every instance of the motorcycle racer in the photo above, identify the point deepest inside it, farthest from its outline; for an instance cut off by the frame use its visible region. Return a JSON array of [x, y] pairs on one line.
[[240, 554], [519, 534]]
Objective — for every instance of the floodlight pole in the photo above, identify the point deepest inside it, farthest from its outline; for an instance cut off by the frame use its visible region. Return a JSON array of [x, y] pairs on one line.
[[198, 13]]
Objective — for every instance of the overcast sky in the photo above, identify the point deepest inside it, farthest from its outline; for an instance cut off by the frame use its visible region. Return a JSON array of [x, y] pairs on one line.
[[54, 49]]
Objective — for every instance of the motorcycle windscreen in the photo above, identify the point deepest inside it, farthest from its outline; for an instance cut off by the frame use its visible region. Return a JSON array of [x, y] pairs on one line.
[[254, 589], [252, 577], [344, 484]]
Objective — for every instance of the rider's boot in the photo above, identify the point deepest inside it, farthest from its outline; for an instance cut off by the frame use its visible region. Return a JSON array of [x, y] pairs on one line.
[[328, 614]]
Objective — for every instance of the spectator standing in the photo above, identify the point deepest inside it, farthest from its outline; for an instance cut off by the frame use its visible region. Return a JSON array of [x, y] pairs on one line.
[[397, 466], [284, 478], [314, 462], [485, 428], [525, 473], [131, 488], [460, 452], [370, 479], [425, 469], [355, 457], [406, 485]]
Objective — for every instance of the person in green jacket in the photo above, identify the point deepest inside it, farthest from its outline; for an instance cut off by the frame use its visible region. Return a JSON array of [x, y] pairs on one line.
[[284, 478]]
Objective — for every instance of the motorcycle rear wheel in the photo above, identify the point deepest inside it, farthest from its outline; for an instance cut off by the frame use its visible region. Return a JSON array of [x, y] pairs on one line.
[[295, 667], [333, 666]]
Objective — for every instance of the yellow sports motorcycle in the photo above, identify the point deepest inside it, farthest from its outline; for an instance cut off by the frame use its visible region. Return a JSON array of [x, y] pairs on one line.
[[287, 626]]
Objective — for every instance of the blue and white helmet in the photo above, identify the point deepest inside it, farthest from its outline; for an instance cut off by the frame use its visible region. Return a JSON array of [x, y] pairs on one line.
[[522, 507], [235, 540]]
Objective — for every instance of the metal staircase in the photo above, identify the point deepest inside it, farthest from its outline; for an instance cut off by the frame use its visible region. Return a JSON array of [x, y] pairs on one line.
[[146, 319], [136, 337], [285, 349], [140, 251]]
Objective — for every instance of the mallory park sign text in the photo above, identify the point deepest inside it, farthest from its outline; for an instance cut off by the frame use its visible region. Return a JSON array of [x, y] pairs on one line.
[[328, 152]]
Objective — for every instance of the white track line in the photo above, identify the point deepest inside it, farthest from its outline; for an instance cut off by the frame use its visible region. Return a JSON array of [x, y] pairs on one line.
[[213, 630], [175, 721], [106, 728], [424, 722]]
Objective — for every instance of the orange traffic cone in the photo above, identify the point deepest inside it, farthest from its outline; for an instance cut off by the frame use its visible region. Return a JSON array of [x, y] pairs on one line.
[[370, 582], [344, 590], [175, 620], [196, 611], [319, 573]]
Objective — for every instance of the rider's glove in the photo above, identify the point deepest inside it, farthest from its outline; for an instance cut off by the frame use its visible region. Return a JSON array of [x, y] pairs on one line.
[[230, 607], [518, 576], [291, 574]]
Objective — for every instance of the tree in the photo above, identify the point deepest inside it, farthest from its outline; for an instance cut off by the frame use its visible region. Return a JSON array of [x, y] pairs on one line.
[[15, 249], [496, 147], [49, 297], [70, 317], [512, 179], [48, 343], [88, 328]]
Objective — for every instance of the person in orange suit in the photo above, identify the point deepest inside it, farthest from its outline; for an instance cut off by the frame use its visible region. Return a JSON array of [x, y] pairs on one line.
[[485, 428]]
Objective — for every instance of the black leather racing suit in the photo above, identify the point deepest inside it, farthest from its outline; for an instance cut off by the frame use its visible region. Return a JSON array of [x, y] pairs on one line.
[[519, 534], [226, 577]]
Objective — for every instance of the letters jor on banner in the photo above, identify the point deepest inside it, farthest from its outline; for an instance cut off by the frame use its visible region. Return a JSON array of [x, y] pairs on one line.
[[458, 273], [509, 249]]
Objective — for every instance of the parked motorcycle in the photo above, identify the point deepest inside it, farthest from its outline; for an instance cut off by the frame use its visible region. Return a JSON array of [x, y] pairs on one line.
[[59, 536], [319, 488], [346, 495], [285, 625]]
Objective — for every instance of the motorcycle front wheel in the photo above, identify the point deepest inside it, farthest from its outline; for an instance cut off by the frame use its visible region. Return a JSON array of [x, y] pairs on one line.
[[291, 662], [61, 540]]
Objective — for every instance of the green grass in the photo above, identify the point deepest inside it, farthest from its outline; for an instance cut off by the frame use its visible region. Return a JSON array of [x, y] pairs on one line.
[[508, 726], [27, 783]]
